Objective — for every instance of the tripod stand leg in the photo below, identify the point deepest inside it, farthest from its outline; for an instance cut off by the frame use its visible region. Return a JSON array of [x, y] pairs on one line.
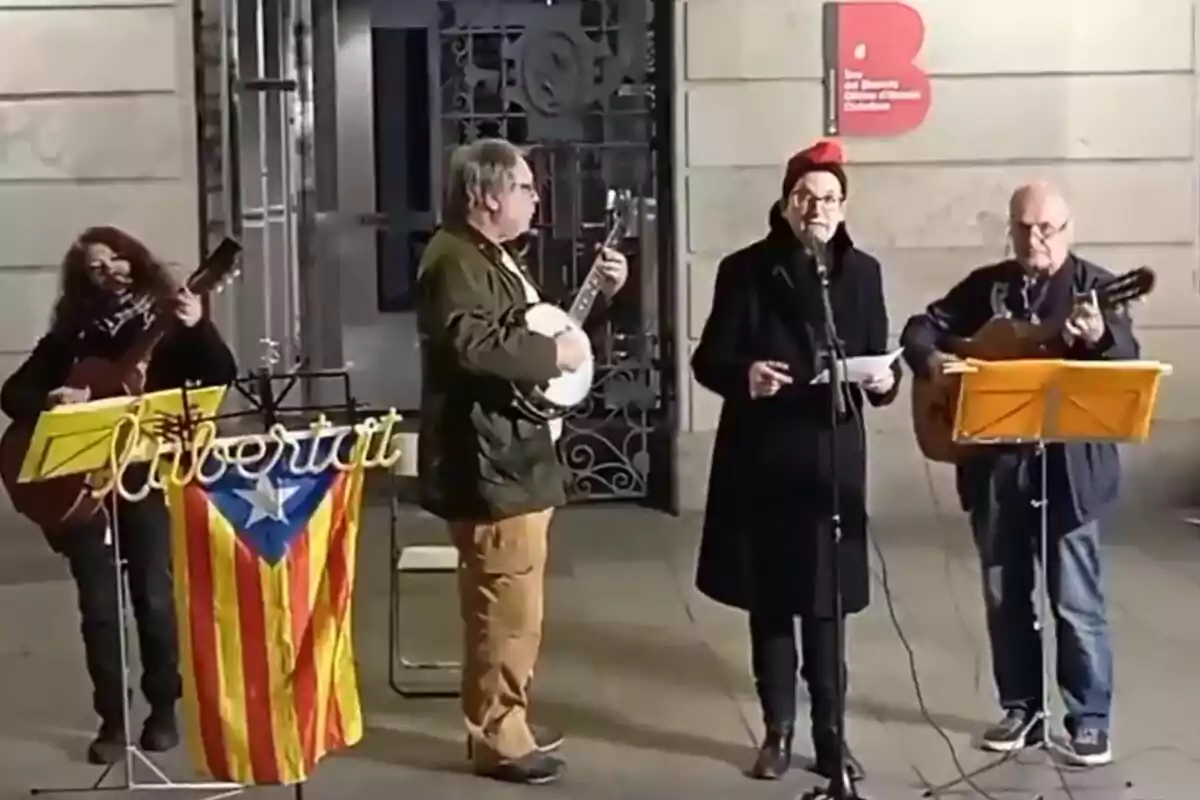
[[98, 786], [133, 755], [1042, 622]]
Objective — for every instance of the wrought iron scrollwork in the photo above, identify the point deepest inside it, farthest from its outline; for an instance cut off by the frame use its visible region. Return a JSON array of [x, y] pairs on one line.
[[606, 443], [575, 80]]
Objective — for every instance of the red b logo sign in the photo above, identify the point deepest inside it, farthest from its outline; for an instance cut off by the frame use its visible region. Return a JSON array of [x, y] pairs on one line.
[[873, 87]]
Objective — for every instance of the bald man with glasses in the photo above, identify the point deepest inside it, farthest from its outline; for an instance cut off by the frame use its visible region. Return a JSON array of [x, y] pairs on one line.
[[998, 486]]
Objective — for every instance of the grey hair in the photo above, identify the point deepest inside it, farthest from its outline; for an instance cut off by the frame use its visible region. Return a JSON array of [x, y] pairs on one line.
[[482, 167]]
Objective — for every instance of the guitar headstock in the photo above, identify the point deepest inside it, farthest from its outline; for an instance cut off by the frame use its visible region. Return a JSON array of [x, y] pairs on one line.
[[219, 269], [1127, 287], [227, 279], [619, 206]]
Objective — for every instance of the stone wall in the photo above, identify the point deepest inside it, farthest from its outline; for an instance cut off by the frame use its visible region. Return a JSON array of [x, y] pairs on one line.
[[97, 126], [1099, 96]]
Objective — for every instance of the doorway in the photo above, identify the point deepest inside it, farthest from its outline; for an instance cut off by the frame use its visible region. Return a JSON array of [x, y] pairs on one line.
[[396, 86]]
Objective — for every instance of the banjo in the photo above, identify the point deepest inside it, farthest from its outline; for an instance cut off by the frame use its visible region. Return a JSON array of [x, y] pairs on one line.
[[554, 399]]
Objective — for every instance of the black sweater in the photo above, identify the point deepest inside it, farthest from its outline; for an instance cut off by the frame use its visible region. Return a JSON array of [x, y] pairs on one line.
[[196, 354]]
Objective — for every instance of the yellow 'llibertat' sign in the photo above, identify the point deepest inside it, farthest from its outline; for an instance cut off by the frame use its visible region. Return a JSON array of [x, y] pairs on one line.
[[205, 458]]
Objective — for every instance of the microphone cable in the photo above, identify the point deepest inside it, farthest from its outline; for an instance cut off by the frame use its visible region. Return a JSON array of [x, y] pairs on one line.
[[882, 578], [914, 674]]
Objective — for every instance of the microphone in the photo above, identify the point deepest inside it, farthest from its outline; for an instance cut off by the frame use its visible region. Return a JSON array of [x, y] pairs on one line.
[[818, 254], [817, 248]]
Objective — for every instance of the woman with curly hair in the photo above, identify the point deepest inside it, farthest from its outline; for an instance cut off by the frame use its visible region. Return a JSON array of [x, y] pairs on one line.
[[113, 289]]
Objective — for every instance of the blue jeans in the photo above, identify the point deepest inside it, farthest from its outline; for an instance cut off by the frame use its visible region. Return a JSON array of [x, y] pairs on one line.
[[1009, 546]]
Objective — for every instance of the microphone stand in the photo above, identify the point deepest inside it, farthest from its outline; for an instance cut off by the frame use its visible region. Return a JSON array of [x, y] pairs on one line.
[[840, 787]]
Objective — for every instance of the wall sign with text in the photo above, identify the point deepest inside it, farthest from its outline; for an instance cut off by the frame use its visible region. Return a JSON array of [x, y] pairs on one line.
[[873, 86]]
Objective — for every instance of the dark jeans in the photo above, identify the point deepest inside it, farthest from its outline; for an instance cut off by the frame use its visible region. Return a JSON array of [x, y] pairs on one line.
[[145, 538], [1009, 549], [775, 661]]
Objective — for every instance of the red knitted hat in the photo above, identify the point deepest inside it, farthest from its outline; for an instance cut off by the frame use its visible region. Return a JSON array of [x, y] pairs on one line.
[[827, 155]]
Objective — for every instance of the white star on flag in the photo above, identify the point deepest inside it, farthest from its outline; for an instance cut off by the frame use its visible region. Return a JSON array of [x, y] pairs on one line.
[[266, 500]]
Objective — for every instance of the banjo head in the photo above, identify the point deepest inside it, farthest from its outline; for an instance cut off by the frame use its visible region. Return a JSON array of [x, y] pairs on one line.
[[570, 388], [547, 319]]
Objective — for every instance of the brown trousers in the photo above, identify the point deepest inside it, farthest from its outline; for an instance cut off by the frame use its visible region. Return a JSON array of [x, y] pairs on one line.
[[501, 587]]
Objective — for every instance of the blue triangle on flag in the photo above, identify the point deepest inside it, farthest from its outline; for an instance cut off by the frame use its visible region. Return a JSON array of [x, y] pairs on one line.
[[269, 505]]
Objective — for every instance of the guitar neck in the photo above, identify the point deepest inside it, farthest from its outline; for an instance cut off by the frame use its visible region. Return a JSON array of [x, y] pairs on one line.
[[145, 343], [593, 283], [216, 269], [1123, 289], [143, 346], [586, 297]]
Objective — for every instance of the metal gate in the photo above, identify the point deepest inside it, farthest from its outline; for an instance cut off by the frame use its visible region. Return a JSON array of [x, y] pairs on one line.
[[578, 82], [254, 82], [578, 79]]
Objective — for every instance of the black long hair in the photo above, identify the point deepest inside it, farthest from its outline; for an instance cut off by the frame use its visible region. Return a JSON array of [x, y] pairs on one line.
[[79, 299]]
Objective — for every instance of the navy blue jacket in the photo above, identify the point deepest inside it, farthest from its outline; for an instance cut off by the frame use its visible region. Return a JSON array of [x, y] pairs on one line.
[[1087, 474]]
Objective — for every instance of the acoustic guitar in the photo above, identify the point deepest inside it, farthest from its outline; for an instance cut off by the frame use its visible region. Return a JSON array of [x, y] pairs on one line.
[[56, 502], [935, 398]]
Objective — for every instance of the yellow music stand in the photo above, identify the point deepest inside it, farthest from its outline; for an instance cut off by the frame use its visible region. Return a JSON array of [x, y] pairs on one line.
[[78, 438], [1040, 402], [1043, 401]]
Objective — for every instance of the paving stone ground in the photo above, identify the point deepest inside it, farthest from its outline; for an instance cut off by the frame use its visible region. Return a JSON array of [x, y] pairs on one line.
[[650, 680]]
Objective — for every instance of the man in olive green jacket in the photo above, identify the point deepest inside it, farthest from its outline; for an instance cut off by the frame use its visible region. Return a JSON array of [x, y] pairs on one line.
[[490, 472]]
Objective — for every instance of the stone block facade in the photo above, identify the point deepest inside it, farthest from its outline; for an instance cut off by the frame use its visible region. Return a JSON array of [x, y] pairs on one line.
[[1099, 96], [97, 126]]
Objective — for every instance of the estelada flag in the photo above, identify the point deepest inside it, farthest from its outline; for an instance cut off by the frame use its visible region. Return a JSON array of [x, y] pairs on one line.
[[264, 560]]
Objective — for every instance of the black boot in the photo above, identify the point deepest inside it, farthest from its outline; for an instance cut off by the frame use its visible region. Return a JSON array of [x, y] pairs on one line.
[[109, 745], [160, 733], [774, 754], [825, 750]]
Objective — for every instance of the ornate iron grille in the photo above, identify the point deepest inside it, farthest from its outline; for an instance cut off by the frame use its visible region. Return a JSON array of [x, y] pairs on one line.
[[575, 81]]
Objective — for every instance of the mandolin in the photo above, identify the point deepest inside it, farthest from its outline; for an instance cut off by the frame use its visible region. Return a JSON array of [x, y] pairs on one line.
[[55, 502], [935, 398]]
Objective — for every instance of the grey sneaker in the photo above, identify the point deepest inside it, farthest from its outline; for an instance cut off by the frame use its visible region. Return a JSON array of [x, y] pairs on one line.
[[1013, 733], [1089, 747]]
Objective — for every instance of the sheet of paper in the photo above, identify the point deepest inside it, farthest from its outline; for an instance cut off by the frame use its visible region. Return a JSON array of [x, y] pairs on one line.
[[861, 369]]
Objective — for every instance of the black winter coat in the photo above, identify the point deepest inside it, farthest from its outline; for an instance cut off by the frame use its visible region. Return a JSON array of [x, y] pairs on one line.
[[1083, 478], [197, 354], [767, 540]]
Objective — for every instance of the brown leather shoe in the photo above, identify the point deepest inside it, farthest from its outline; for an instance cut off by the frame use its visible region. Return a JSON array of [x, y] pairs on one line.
[[534, 769], [547, 740]]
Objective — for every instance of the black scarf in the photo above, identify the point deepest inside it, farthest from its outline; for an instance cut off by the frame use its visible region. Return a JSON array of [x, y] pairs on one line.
[[121, 315]]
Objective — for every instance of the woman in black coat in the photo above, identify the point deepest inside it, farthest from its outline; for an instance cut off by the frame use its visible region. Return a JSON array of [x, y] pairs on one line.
[[767, 544], [114, 290]]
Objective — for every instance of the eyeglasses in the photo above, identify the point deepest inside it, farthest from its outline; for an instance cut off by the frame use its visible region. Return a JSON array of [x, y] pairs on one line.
[[1039, 230], [805, 200]]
